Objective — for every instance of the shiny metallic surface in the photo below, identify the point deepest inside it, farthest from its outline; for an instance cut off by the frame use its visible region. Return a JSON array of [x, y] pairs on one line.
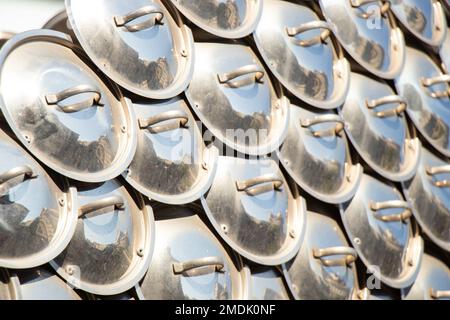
[[444, 53], [9, 286], [43, 63], [251, 118], [315, 73], [265, 227], [384, 142], [319, 163], [429, 113], [37, 217], [266, 283], [368, 34], [230, 19], [431, 201], [381, 235], [433, 277], [308, 278], [112, 246], [423, 18], [150, 53], [181, 236], [174, 153], [59, 22]]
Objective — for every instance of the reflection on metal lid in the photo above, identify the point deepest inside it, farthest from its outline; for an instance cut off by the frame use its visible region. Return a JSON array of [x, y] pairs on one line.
[[9, 286], [266, 283], [445, 53], [37, 218], [61, 110], [377, 126], [378, 222], [296, 46], [171, 164], [139, 44], [113, 241], [254, 210]]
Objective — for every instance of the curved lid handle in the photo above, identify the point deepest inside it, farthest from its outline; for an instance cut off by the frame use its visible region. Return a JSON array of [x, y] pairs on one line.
[[429, 82], [123, 21], [340, 123], [366, 15], [349, 253], [268, 182], [216, 262], [116, 201], [318, 24], [439, 294], [395, 112], [56, 98], [394, 204], [180, 117], [26, 171], [227, 78], [439, 170]]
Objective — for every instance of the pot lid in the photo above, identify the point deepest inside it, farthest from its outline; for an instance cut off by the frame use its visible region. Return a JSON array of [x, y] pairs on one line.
[[233, 96], [59, 22], [368, 32], [432, 283], [296, 46], [429, 195], [426, 90], [445, 53], [113, 242], [316, 155], [378, 223], [230, 19], [171, 164], [9, 286], [324, 267], [254, 210], [189, 261], [140, 44], [64, 114], [425, 19], [40, 284], [37, 218], [378, 129], [265, 283]]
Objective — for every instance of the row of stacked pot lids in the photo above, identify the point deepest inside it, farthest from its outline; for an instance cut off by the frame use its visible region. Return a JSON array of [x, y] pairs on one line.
[[247, 201]]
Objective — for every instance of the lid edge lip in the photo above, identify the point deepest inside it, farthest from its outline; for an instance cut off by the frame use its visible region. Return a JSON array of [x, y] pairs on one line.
[[415, 242], [13, 284], [131, 278], [177, 87], [285, 254], [237, 33]]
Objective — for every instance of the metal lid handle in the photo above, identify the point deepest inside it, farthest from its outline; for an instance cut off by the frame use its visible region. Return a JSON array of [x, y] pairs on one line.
[[429, 82], [242, 71], [56, 98], [318, 24], [438, 294], [26, 171], [340, 123], [116, 201], [394, 204], [366, 15], [216, 262], [122, 21], [180, 117], [249, 186], [402, 105], [438, 170], [349, 253]]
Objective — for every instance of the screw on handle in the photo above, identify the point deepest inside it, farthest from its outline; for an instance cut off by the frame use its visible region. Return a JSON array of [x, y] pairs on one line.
[[149, 124], [442, 79], [325, 34], [227, 78], [432, 171], [216, 262], [56, 98], [116, 201], [123, 21], [395, 112], [327, 118], [393, 204], [25, 171], [261, 184], [349, 254], [439, 294]]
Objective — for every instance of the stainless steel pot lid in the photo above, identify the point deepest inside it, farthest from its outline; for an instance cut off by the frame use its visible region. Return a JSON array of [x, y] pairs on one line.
[[9, 286], [189, 261], [378, 129], [429, 194], [140, 44], [230, 19], [324, 267], [316, 155], [61, 110], [445, 53], [113, 242], [296, 46], [426, 90], [425, 19], [171, 164], [265, 283], [59, 22], [432, 283], [255, 211], [369, 33], [37, 217], [377, 221], [233, 96], [40, 284]]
